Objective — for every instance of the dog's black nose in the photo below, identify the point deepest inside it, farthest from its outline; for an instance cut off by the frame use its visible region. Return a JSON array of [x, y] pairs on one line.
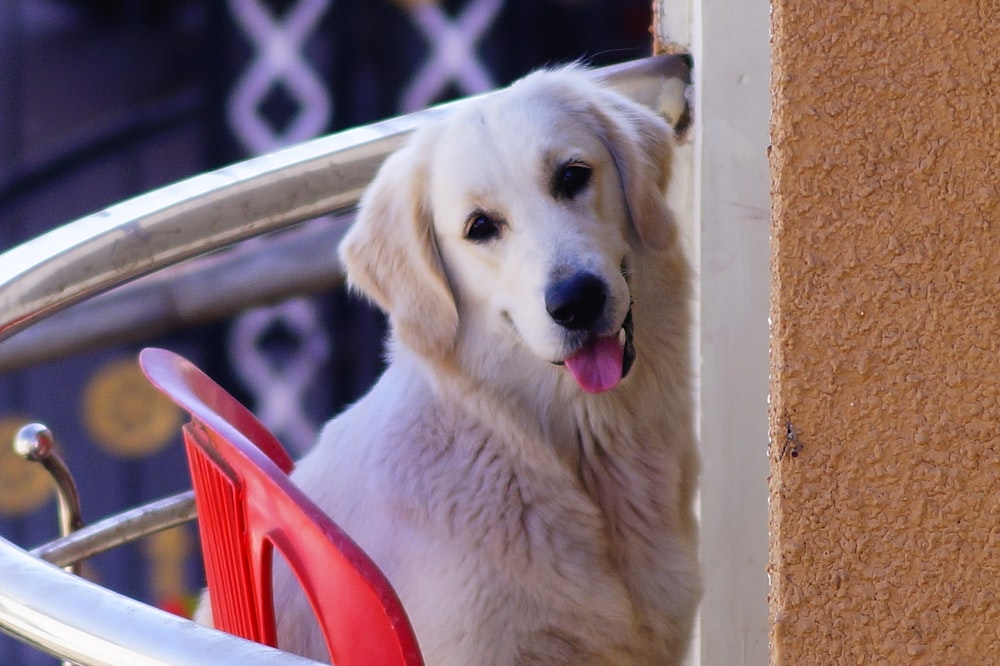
[[576, 302]]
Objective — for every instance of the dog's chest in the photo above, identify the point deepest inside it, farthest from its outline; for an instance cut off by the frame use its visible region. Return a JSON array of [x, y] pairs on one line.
[[632, 476], [494, 489], [597, 530]]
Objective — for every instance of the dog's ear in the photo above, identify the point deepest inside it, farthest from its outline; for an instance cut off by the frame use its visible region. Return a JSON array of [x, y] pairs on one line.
[[391, 255], [640, 143]]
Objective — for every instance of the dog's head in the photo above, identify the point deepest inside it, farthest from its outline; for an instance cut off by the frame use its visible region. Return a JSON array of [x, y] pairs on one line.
[[516, 221]]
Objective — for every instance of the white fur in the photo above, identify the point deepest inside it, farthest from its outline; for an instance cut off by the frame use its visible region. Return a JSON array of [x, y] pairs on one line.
[[520, 520]]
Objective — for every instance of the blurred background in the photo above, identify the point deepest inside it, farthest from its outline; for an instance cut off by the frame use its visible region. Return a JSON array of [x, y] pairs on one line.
[[101, 100]]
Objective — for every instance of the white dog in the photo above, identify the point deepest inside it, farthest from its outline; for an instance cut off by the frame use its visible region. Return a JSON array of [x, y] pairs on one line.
[[523, 471]]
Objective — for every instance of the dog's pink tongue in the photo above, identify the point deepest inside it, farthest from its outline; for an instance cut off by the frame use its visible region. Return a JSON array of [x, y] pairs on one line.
[[598, 366]]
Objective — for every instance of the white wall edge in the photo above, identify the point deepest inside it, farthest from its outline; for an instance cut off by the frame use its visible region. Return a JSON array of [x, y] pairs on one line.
[[722, 192]]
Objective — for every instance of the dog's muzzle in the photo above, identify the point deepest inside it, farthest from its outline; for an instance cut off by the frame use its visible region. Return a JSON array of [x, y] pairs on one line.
[[602, 361], [578, 303]]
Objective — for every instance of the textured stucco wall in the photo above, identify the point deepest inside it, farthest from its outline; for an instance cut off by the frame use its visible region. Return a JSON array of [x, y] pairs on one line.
[[885, 390]]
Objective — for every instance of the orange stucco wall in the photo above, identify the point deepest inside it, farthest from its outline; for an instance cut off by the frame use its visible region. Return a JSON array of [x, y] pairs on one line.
[[885, 389]]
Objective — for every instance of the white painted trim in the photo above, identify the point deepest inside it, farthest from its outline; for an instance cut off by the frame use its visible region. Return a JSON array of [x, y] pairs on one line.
[[727, 181]]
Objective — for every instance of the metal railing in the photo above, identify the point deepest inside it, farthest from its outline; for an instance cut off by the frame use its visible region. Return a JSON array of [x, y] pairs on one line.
[[80, 264]]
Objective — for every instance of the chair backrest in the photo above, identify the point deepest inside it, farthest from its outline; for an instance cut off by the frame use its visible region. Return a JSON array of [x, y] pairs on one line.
[[247, 508]]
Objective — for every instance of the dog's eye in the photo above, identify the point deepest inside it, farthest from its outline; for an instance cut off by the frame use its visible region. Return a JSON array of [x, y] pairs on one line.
[[570, 179], [482, 227]]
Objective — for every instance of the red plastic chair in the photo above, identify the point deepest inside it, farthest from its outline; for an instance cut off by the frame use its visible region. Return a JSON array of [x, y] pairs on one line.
[[247, 508]]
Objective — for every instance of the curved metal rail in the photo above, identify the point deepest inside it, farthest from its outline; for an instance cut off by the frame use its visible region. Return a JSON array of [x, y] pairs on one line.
[[69, 617], [217, 209], [77, 620], [118, 529]]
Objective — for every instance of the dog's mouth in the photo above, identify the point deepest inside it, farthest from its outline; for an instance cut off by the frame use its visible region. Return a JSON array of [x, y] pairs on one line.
[[601, 362]]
